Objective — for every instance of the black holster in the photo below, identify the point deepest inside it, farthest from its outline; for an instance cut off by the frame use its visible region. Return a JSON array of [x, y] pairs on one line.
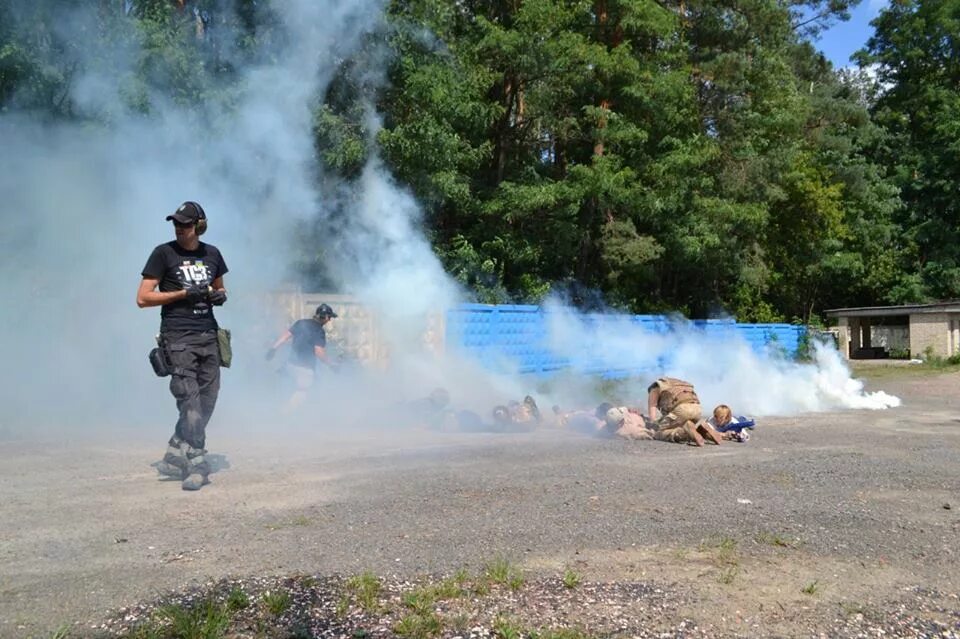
[[159, 360]]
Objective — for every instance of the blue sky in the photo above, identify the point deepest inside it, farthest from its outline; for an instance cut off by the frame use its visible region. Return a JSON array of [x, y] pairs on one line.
[[840, 41]]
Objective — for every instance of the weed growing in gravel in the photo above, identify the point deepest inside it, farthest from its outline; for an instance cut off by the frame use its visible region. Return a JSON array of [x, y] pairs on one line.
[[422, 600], [365, 590], [772, 539], [206, 620], [727, 550], [277, 602], [501, 571], [811, 588], [459, 623], [237, 599], [417, 626], [296, 522], [506, 628], [461, 577], [571, 579], [63, 632], [728, 575], [147, 630]]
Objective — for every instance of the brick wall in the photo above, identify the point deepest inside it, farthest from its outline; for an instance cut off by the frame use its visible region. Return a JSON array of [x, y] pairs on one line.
[[929, 330]]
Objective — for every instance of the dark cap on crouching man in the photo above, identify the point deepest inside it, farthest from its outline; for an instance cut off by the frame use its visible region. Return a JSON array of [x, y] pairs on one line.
[[185, 278]]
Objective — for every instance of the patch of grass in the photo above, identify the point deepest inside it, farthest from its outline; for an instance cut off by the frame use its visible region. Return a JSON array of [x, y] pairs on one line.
[[419, 626], [481, 588], [571, 579], [506, 628], [728, 575], [277, 602], [459, 623], [237, 599], [811, 588], [727, 552], [342, 607], [147, 630], [365, 590], [63, 632], [772, 539], [206, 620], [501, 571], [461, 577]]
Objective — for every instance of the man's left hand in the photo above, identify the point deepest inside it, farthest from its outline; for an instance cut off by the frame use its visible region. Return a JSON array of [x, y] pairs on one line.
[[217, 297]]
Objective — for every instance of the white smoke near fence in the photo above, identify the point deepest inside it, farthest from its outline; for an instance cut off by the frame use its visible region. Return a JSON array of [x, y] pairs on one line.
[[723, 366]]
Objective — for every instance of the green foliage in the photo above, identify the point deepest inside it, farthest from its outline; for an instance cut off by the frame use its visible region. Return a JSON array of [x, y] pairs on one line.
[[277, 602], [365, 590], [691, 159], [419, 626], [502, 572], [205, 620], [571, 579], [237, 599]]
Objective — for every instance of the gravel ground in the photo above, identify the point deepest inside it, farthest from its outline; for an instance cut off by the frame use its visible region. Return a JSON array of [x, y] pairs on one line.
[[843, 524]]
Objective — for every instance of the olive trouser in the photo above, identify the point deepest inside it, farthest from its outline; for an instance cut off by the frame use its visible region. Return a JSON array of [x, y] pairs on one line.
[[195, 384], [670, 427]]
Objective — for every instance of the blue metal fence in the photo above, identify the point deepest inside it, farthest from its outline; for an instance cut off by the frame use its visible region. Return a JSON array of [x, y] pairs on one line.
[[515, 337]]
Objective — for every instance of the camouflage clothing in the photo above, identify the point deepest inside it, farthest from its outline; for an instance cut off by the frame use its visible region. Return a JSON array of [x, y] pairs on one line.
[[672, 427], [673, 392]]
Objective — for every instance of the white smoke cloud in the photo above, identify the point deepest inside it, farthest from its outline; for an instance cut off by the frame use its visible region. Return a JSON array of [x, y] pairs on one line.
[[723, 367], [84, 204]]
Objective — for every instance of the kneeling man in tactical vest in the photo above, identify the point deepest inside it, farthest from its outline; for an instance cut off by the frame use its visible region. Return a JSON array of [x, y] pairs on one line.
[[676, 414]]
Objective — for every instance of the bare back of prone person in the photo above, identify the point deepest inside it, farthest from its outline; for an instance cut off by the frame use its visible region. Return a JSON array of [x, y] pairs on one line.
[[676, 414], [622, 422]]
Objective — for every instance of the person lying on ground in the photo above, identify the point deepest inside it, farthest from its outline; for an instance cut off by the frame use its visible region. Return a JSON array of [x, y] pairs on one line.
[[730, 428], [621, 421]]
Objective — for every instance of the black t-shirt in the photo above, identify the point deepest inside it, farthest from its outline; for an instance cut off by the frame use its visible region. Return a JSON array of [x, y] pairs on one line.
[[307, 334], [177, 268]]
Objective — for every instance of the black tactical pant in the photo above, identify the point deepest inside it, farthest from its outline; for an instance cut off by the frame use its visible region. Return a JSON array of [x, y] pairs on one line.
[[195, 383]]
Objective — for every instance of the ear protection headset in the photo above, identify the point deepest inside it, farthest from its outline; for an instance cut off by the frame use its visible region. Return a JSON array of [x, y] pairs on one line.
[[201, 225]]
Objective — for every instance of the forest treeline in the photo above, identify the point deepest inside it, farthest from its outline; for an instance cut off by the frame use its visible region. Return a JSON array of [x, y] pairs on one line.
[[691, 155]]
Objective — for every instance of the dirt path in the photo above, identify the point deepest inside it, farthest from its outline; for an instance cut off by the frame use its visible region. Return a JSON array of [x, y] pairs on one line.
[[816, 520]]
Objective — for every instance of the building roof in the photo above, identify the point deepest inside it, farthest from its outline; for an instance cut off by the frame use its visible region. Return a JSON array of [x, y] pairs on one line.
[[952, 306]]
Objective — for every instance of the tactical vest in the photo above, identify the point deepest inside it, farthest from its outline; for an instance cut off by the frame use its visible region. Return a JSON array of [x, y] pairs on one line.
[[673, 393]]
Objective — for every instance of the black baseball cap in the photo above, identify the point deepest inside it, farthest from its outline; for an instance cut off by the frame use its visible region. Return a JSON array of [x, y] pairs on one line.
[[188, 213]]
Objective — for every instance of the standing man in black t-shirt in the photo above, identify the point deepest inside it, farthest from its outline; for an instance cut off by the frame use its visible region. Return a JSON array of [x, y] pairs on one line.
[[185, 278], [309, 345]]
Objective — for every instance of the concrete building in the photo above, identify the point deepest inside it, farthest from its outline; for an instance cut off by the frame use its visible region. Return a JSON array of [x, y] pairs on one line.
[[909, 331]]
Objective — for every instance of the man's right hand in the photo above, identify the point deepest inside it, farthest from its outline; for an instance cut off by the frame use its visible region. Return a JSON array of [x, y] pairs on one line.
[[197, 293]]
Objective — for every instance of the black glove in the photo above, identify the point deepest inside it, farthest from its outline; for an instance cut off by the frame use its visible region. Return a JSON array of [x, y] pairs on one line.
[[197, 293], [271, 353], [217, 297]]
